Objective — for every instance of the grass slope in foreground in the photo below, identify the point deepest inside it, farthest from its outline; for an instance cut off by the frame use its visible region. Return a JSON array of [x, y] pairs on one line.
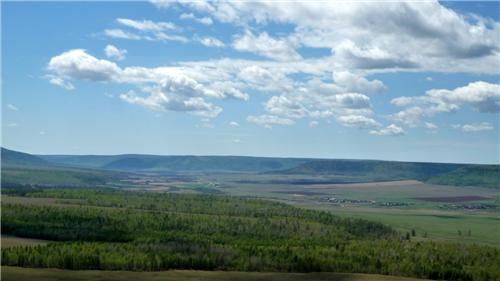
[[113, 230], [25, 274]]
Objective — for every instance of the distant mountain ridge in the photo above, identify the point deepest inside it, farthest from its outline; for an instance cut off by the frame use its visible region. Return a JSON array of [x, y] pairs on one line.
[[23, 169], [16, 158], [157, 163], [336, 170], [375, 170]]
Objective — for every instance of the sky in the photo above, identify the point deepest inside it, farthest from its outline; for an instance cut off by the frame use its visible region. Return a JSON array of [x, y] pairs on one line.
[[408, 81]]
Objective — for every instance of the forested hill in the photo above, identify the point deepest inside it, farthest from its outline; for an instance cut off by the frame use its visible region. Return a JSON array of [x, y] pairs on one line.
[[337, 170], [15, 158], [188, 163], [23, 169], [372, 170], [154, 232]]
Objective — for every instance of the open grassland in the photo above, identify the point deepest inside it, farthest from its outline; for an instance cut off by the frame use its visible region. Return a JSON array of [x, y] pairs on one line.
[[445, 218], [455, 226], [13, 241], [25, 274]]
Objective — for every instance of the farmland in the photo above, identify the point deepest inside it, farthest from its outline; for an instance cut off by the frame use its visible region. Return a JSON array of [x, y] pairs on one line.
[[215, 224]]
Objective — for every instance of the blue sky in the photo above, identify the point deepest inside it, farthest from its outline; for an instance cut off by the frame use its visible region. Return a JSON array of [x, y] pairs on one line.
[[413, 81]]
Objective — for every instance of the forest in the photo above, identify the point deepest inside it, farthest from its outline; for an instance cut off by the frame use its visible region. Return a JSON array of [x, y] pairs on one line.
[[118, 230]]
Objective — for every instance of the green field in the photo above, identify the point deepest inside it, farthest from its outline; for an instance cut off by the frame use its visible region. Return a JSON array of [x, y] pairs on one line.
[[25, 274], [434, 220]]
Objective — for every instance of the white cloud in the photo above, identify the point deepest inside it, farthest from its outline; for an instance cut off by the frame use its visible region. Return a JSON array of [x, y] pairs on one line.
[[410, 116], [211, 42], [378, 37], [234, 124], [121, 34], [484, 126], [164, 88], [146, 30], [12, 107], [369, 57], [358, 121], [202, 20], [147, 25], [58, 81], [355, 83], [269, 120], [481, 96], [237, 141], [178, 92], [391, 130], [12, 125], [115, 53], [77, 64], [265, 45], [167, 101], [430, 126]]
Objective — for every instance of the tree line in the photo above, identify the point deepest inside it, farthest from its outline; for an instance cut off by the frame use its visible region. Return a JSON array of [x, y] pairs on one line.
[[116, 230]]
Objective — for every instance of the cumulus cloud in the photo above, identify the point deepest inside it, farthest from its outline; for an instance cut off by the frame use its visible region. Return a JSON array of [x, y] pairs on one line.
[[202, 20], [430, 126], [356, 83], [115, 53], [58, 81], [369, 57], [269, 120], [481, 96], [265, 45], [79, 65], [391, 130], [234, 124], [358, 121], [367, 35], [468, 128], [168, 101], [211, 42], [163, 88], [364, 38]]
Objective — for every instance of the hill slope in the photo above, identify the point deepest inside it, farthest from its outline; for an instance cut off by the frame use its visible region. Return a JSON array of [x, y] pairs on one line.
[[137, 162], [23, 169], [15, 158], [372, 170]]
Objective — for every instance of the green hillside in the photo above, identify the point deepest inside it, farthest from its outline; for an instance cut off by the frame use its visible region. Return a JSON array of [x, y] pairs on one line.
[[136, 162], [22, 169], [153, 232], [471, 175], [370, 170], [15, 158]]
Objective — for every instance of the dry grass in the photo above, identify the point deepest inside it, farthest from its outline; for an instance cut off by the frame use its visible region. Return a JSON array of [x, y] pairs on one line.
[[24, 274], [12, 241]]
